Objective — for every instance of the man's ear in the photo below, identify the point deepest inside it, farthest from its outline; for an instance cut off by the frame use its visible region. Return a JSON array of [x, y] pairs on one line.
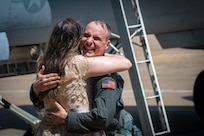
[[107, 44]]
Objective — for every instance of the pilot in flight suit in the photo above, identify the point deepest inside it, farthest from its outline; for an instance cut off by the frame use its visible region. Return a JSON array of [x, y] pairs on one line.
[[107, 106]]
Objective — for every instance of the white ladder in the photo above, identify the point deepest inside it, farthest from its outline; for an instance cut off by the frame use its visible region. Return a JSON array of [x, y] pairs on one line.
[[126, 37]]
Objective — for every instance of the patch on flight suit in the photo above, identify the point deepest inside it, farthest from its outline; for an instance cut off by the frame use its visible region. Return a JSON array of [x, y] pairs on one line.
[[110, 84]]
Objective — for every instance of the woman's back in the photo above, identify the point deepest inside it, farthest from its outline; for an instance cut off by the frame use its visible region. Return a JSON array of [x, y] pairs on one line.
[[71, 92]]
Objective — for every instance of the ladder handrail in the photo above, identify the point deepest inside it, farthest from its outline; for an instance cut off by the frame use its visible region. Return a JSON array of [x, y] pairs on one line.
[[152, 63]]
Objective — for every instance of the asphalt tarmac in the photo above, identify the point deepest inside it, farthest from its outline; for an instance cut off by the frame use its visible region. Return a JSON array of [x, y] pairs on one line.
[[176, 70]]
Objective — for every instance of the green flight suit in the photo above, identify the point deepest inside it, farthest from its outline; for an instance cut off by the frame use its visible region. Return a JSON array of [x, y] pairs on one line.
[[107, 106], [107, 103]]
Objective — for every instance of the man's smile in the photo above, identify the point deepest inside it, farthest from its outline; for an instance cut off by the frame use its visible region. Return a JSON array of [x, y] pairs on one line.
[[88, 50]]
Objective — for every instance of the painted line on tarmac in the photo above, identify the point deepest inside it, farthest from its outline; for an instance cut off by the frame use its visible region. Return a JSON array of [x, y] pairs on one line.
[[16, 91], [164, 91]]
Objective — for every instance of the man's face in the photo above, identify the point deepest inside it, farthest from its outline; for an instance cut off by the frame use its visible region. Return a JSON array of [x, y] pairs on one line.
[[94, 42]]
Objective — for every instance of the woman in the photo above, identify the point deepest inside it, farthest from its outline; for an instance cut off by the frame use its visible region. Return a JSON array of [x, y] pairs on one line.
[[63, 56]]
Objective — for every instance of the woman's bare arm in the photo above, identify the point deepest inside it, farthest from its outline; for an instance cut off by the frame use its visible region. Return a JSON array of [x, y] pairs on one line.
[[109, 63]]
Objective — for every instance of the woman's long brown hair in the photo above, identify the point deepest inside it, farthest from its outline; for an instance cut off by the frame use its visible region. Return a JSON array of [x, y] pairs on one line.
[[63, 44]]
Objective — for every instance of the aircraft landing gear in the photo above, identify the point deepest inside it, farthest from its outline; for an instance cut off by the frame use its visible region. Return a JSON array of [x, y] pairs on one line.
[[198, 95]]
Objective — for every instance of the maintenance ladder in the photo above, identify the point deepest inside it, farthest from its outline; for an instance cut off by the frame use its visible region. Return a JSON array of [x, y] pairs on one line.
[[126, 37]]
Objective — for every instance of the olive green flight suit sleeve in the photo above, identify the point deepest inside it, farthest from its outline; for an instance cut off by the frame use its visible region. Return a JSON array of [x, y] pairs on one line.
[[35, 100], [106, 103]]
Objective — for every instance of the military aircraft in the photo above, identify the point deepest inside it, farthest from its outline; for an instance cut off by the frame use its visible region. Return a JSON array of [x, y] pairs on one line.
[[27, 24]]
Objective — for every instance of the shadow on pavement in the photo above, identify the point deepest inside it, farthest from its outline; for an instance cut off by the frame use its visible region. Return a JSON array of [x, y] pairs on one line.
[[10, 120], [183, 120]]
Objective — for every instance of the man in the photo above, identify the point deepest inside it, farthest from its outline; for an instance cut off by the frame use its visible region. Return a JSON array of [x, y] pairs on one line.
[[107, 103]]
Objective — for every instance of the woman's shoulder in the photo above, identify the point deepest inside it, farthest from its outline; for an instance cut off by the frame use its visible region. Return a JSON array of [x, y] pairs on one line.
[[81, 64], [80, 60], [79, 57]]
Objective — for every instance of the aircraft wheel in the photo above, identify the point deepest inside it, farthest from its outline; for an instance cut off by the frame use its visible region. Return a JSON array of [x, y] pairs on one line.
[[198, 95]]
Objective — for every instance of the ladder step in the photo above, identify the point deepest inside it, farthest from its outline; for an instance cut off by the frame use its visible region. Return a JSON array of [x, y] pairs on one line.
[[151, 97], [134, 26], [143, 61], [136, 32], [161, 133]]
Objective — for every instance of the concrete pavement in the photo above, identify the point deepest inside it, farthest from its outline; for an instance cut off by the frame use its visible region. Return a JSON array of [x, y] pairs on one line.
[[176, 70]]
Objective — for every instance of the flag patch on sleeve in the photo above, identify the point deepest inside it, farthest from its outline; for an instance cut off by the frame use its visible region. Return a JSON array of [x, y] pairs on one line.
[[110, 84]]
